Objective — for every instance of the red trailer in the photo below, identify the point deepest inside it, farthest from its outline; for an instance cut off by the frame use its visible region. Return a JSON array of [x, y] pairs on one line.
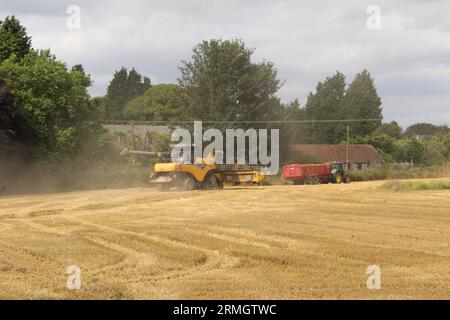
[[307, 173]]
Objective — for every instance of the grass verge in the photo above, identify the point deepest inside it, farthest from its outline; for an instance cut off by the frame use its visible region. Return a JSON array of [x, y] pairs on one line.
[[395, 185]]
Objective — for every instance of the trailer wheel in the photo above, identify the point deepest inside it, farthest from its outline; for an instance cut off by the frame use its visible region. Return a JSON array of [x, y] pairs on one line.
[[310, 180]]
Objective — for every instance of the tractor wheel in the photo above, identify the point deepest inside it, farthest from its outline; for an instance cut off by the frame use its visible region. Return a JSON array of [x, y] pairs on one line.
[[211, 182], [338, 178], [188, 183]]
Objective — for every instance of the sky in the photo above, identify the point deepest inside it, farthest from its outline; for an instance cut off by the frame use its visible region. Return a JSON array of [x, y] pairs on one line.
[[405, 44]]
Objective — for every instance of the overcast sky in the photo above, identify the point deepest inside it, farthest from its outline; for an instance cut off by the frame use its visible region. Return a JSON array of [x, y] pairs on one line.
[[409, 56]]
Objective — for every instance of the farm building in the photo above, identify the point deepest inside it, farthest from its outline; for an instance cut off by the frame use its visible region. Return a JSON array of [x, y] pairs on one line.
[[360, 156]]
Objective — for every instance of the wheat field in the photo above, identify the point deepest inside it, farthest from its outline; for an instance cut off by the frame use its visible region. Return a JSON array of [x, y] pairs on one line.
[[272, 242]]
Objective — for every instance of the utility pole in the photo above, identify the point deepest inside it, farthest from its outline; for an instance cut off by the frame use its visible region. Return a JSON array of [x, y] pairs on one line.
[[133, 142], [348, 129]]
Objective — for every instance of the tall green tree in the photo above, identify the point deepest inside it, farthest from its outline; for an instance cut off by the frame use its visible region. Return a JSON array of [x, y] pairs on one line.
[[55, 105], [223, 84], [13, 39], [362, 102], [124, 87], [325, 104], [162, 102], [8, 118], [425, 129], [392, 129], [292, 131]]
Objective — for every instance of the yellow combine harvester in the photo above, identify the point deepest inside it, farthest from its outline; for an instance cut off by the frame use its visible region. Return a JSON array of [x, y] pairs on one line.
[[203, 174]]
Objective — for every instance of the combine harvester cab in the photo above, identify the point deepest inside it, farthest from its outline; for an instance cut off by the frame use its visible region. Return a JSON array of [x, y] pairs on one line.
[[315, 173], [186, 176]]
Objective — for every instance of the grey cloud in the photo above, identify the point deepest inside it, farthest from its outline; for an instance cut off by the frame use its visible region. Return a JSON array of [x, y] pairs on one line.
[[409, 57]]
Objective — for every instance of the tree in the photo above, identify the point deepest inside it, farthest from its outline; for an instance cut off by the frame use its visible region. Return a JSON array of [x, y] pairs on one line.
[[291, 132], [362, 102], [224, 85], [409, 149], [384, 144], [325, 104], [425, 129], [13, 39], [8, 118], [98, 104], [391, 129], [446, 145], [293, 111], [6, 110], [55, 105], [162, 102], [124, 87]]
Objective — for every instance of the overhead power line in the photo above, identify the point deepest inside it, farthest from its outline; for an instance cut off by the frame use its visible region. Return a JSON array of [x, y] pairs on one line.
[[254, 121]]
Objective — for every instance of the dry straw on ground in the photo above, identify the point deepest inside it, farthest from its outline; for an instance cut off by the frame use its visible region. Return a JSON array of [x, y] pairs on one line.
[[265, 242]]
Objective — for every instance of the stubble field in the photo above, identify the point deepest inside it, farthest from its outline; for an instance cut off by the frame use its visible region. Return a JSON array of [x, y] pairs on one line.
[[274, 242]]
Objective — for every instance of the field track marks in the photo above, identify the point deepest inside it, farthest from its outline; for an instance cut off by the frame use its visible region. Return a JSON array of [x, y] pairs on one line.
[[215, 260]]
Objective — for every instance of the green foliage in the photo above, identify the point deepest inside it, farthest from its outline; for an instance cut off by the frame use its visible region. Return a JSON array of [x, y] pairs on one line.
[[332, 101], [160, 142], [162, 102], [407, 150], [391, 129], [384, 144], [55, 105], [223, 84], [124, 87], [361, 101], [6, 110], [290, 131], [433, 151], [13, 39], [11, 122], [437, 149], [325, 104], [98, 106], [425, 129], [446, 145], [395, 185], [397, 171]]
